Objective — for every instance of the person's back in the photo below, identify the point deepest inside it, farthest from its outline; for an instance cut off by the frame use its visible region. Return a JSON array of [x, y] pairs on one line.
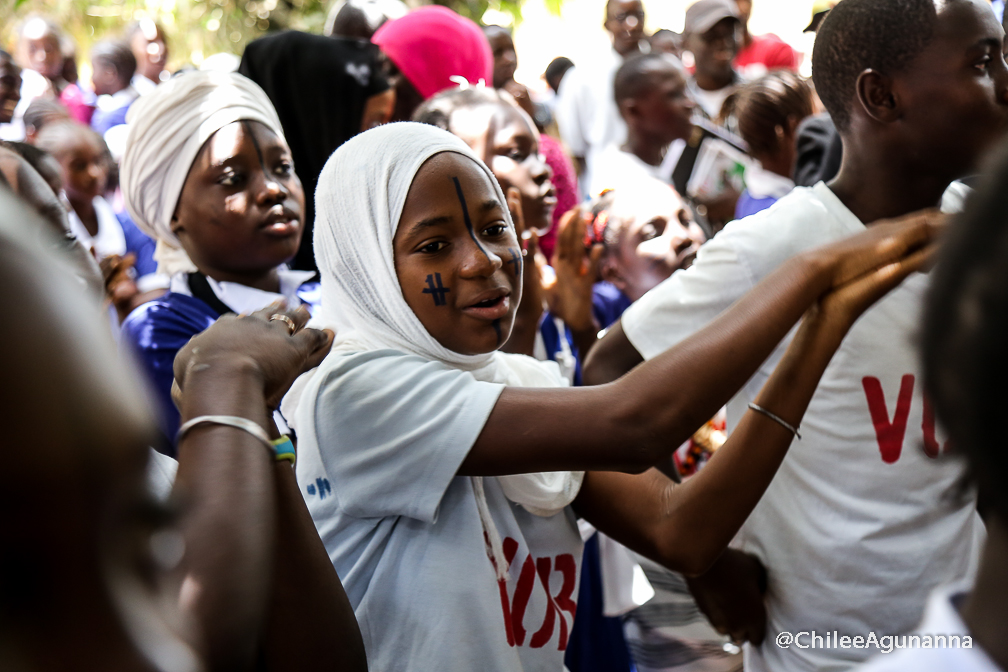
[[868, 473]]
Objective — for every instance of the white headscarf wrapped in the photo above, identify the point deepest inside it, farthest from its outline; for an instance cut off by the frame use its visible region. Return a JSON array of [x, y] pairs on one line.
[[167, 128], [360, 197]]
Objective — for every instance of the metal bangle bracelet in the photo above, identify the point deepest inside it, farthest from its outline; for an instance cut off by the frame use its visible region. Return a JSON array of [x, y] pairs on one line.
[[779, 420]]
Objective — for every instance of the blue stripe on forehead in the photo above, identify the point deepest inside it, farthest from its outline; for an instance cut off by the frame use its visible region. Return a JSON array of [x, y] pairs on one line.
[[465, 216]]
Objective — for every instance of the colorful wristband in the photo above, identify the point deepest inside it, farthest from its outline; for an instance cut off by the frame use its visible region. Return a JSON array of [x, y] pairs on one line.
[[284, 449]]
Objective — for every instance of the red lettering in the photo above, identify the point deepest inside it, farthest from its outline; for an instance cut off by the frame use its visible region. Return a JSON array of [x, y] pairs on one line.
[[565, 565], [889, 434], [514, 609], [545, 633], [931, 446]]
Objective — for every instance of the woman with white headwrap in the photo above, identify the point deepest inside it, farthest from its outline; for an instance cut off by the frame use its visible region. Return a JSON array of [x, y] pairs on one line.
[[419, 442], [207, 172]]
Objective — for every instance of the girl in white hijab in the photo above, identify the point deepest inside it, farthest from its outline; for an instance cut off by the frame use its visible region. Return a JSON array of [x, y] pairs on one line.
[[207, 172], [412, 428]]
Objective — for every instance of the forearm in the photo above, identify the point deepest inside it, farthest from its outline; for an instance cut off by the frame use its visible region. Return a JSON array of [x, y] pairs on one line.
[[225, 479], [705, 513], [310, 624], [663, 401]]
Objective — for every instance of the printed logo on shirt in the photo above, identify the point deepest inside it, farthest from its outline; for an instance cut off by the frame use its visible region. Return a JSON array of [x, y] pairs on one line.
[[559, 608], [890, 431]]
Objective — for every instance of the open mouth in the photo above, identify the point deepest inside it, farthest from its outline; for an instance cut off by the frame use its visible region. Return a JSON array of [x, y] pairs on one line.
[[494, 306]]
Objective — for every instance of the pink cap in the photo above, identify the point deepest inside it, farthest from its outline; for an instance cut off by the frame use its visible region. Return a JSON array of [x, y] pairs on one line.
[[432, 45]]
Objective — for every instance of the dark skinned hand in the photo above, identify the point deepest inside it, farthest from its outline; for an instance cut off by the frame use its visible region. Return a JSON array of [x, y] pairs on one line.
[[730, 595], [576, 267], [278, 356], [530, 309]]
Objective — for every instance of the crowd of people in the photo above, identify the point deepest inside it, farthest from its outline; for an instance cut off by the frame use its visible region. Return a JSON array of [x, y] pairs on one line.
[[358, 353]]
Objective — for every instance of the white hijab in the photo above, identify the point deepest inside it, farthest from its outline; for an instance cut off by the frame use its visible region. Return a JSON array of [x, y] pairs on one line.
[[167, 128], [358, 203]]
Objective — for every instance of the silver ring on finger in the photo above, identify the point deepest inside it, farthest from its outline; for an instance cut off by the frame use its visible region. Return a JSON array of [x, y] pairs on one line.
[[280, 317]]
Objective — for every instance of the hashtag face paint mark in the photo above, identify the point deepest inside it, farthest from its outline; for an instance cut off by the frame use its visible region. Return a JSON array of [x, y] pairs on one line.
[[516, 261], [465, 216], [436, 289]]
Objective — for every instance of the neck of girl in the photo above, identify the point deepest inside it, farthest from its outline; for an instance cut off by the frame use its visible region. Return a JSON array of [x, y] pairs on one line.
[[84, 207], [267, 281], [985, 611]]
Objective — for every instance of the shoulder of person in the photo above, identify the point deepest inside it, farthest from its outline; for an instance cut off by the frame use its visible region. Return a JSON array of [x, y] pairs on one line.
[[166, 322]]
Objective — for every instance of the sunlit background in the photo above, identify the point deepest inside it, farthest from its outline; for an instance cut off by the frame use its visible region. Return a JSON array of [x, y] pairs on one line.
[[198, 29]]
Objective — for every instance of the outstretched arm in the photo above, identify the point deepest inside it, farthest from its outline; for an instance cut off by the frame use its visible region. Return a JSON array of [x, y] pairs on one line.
[[686, 527], [632, 423]]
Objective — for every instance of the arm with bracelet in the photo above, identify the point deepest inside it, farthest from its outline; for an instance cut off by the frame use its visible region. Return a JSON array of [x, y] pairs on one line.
[[256, 576]]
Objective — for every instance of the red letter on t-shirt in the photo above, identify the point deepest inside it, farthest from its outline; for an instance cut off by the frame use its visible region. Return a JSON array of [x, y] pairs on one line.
[[889, 434], [930, 442]]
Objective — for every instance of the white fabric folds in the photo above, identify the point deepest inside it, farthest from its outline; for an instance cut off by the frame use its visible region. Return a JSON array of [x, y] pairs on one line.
[[360, 197], [167, 128]]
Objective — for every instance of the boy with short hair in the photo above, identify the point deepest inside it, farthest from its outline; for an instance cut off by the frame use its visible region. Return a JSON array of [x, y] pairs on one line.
[[114, 66], [650, 92], [918, 93]]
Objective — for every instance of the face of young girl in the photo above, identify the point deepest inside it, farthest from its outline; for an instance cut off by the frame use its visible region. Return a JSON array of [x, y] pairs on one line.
[[84, 165], [241, 206], [506, 140], [457, 260]]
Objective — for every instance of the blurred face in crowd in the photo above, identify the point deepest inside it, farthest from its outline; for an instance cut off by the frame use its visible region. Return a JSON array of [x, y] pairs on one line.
[[960, 82], [507, 141], [240, 211], [407, 98], [150, 50], [505, 58], [84, 163], [656, 237], [89, 460], [10, 89], [715, 50], [457, 260], [104, 77], [625, 22], [664, 110], [666, 42], [40, 49]]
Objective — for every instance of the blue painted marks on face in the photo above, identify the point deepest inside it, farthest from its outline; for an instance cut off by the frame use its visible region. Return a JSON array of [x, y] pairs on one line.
[[516, 261], [465, 216], [497, 328], [436, 289], [320, 486]]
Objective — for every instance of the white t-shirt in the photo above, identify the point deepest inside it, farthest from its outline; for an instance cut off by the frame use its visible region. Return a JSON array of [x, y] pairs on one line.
[[941, 653], [860, 523], [586, 111], [614, 168], [377, 469]]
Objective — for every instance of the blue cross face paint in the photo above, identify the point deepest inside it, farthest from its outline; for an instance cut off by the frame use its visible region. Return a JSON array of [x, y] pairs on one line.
[[436, 289]]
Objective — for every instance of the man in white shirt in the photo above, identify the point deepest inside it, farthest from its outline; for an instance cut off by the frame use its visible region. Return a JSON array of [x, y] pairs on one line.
[[710, 34], [586, 112], [650, 93], [860, 522]]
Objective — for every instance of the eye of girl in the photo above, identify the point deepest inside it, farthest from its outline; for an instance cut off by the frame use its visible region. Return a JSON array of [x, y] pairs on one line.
[[495, 229], [984, 63], [433, 247], [284, 168], [229, 178]]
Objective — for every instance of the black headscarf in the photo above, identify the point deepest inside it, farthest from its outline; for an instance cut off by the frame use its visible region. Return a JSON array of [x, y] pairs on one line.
[[319, 87]]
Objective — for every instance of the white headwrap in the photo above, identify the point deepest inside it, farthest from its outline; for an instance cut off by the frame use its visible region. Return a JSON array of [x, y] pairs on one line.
[[167, 128], [360, 197]]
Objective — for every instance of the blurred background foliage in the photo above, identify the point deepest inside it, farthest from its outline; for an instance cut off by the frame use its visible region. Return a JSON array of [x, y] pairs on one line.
[[197, 29]]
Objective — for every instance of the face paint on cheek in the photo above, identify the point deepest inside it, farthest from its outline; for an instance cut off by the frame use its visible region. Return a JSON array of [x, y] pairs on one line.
[[497, 328], [436, 289], [516, 261], [255, 143], [465, 216]]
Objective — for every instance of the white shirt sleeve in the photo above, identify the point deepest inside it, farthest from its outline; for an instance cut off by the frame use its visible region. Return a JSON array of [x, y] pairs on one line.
[[393, 429], [571, 113], [689, 300]]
